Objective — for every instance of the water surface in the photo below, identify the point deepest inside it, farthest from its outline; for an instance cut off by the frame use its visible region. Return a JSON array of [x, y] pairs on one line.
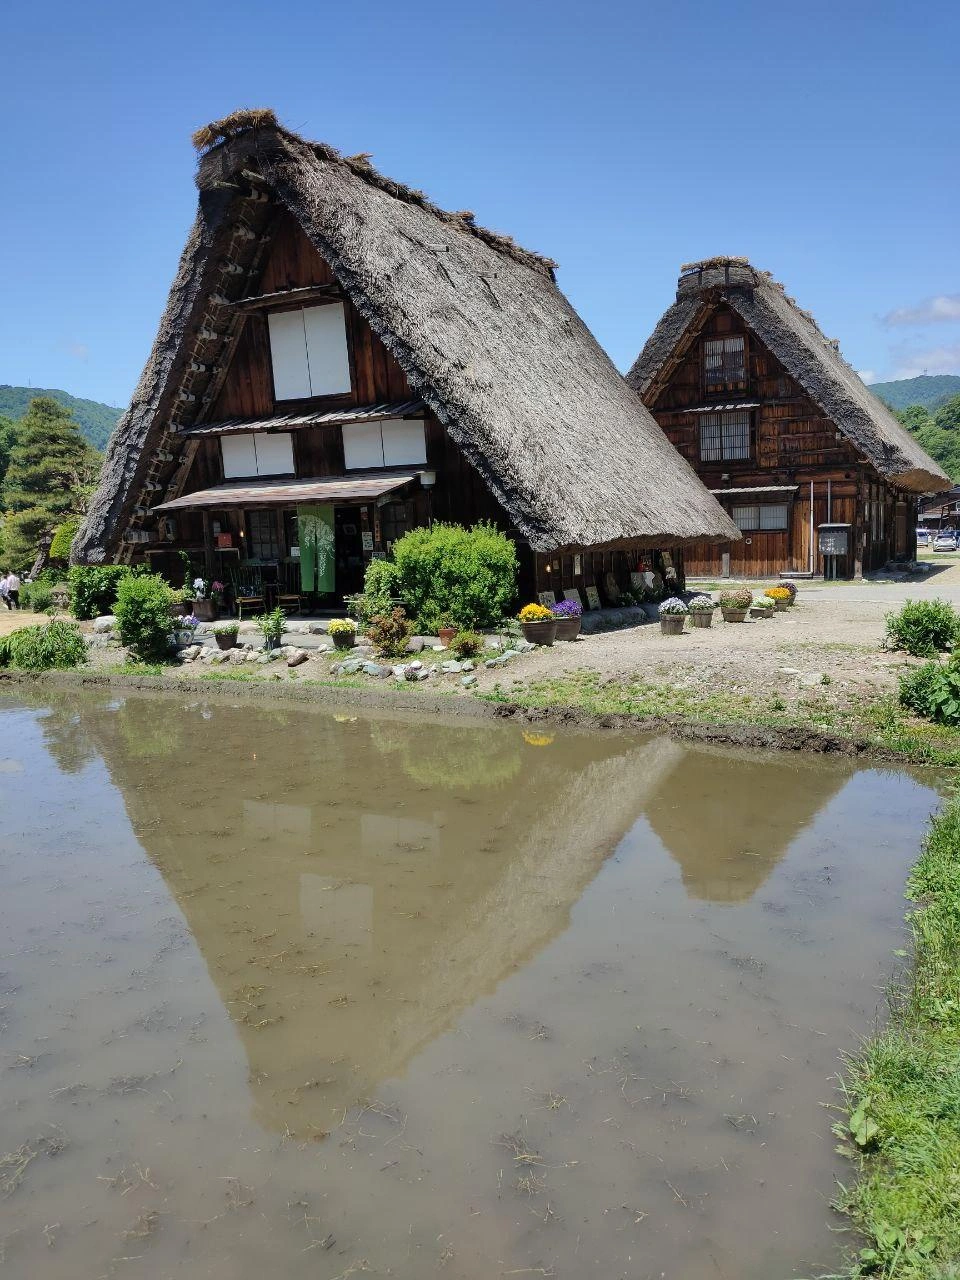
[[290, 994]]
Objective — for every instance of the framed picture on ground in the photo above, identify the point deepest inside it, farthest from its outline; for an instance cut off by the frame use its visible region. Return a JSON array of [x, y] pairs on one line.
[[572, 593], [547, 598], [593, 597]]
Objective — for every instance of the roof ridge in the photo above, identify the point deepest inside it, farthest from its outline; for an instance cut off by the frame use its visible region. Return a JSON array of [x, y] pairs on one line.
[[218, 133]]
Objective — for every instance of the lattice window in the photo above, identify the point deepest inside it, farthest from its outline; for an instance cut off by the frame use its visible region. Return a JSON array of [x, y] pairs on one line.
[[724, 361], [724, 436], [263, 535], [765, 517]]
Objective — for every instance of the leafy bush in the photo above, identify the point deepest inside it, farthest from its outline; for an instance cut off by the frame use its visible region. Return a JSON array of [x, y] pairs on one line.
[[63, 537], [270, 626], [143, 615], [48, 646], [380, 590], [466, 644], [923, 628], [94, 588], [933, 691], [469, 575], [390, 632], [37, 596]]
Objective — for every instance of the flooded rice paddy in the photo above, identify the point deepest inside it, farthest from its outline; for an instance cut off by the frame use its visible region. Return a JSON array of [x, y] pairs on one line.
[[289, 994]]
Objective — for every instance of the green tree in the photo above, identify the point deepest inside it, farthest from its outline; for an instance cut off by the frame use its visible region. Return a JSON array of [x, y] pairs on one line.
[[947, 417], [938, 435], [50, 476], [8, 438]]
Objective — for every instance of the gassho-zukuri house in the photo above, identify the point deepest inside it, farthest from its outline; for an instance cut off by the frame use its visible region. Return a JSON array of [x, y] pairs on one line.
[[814, 470], [340, 361]]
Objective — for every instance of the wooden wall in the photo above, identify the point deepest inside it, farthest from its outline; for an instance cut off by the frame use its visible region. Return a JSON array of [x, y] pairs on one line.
[[792, 444]]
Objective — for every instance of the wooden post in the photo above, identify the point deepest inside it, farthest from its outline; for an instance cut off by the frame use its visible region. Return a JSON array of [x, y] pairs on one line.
[[208, 558]]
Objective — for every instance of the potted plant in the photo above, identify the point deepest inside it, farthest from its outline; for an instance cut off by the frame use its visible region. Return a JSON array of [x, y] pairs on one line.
[[780, 597], [735, 605], [538, 624], [204, 603], [271, 627], [185, 628], [569, 616], [343, 632], [762, 608], [701, 610], [791, 589], [673, 613], [225, 634], [447, 630], [182, 602]]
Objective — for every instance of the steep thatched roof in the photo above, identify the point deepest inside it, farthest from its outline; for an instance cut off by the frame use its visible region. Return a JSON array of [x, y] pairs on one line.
[[812, 359], [477, 323]]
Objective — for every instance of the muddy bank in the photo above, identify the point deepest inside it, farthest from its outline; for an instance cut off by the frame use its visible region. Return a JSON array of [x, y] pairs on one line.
[[458, 707]]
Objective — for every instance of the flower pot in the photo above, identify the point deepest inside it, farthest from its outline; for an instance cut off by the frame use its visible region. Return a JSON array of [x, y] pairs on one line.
[[225, 642], [782, 605], [701, 617], [205, 610], [446, 634], [344, 639], [539, 632], [762, 613], [734, 615], [179, 610], [671, 624], [568, 628]]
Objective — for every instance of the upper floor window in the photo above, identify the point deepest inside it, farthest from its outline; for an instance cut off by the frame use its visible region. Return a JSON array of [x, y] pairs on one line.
[[395, 442], [723, 361], [724, 437], [308, 348], [768, 516], [257, 454]]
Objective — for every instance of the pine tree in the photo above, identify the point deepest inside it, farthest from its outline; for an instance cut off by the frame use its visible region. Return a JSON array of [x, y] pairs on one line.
[[51, 474]]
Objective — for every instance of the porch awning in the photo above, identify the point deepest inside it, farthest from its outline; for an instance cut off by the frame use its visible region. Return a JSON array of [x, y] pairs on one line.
[[288, 493], [293, 421]]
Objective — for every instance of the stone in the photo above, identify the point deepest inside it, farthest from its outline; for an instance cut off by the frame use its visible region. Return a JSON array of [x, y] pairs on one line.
[[423, 675], [510, 653], [814, 677], [192, 652], [523, 646], [400, 671], [297, 628], [106, 622], [298, 658], [316, 628], [468, 665], [451, 667], [415, 644], [790, 671], [411, 674], [216, 657], [237, 656], [468, 681], [375, 669], [416, 665]]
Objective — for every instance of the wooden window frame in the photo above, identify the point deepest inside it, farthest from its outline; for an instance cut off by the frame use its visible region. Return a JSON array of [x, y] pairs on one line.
[[723, 383], [718, 420], [759, 508], [278, 533]]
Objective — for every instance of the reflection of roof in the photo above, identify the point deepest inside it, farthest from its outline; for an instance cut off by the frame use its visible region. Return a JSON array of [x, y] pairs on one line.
[[276, 493], [707, 811]]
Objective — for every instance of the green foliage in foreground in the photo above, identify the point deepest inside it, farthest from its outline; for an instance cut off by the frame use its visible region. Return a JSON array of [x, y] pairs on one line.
[[449, 574], [48, 646], [923, 628], [143, 616], [94, 587], [903, 1090]]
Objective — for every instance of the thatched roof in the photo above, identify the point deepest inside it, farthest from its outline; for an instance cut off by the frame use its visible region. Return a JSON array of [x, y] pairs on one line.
[[812, 359], [478, 324]]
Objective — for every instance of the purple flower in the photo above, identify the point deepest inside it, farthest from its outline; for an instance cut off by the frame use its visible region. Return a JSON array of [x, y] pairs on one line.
[[566, 609], [189, 622]]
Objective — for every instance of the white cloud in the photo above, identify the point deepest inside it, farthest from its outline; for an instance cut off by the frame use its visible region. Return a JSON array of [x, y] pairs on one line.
[[944, 308], [868, 375], [910, 364]]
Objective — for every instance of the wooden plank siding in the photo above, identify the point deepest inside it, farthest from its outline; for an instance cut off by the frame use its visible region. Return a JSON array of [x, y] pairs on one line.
[[792, 444]]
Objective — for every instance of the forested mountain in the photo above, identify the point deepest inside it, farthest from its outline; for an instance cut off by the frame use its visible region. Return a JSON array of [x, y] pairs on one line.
[[929, 390], [94, 419], [938, 432]]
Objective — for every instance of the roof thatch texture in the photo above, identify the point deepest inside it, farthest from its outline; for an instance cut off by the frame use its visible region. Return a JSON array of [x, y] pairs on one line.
[[478, 325], [812, 359]]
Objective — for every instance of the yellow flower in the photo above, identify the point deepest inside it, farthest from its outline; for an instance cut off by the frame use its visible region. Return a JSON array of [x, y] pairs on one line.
[[535, 613], [777, 593]]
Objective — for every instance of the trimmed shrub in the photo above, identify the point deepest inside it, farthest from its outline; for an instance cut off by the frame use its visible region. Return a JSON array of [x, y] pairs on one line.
[[390, 632], [467, 575], [94, 588], [380, 589], [46, 647], [466, 644], [63, 537], [144, 623], [923, 628]]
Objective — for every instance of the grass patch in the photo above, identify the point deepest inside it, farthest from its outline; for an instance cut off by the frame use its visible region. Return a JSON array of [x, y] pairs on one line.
[[903, 1090]]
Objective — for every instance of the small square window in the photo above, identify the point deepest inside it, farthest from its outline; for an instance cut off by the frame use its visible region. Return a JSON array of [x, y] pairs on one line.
[[724, 361]]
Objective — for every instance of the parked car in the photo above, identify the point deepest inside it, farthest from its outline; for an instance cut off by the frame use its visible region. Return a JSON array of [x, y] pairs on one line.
[[923, 537], [946, 540]]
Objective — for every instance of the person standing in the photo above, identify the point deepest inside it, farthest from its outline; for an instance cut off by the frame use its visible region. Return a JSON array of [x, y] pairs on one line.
[[13, 590], [5, 589]]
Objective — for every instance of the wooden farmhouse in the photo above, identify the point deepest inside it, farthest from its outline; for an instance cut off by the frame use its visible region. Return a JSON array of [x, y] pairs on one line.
[[817, 474], [341, 361]]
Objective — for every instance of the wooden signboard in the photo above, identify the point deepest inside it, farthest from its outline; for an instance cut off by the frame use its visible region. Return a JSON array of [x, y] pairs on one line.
[[593, 598], [547, 598], [571, 593]]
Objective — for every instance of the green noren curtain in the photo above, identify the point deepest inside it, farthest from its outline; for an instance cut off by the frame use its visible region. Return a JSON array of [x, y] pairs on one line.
[[315, 525]]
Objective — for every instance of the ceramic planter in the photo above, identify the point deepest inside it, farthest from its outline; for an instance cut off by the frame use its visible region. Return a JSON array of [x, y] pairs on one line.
[[568, 628], [734, 615], [671, 624], [539, 632], [701, 617], [205, 610], [446, 634], [762, 613], [344, 639], [782, 605], [225, 642]]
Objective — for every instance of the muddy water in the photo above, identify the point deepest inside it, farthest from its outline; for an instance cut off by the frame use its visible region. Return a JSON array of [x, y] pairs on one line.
[[284, 994]]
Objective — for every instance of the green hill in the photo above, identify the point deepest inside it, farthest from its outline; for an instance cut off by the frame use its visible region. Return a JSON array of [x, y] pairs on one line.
[[94, 419], [929, 390]]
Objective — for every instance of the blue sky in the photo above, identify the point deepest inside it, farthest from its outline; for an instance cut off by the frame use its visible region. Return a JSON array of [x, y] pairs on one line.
[[621, 139]]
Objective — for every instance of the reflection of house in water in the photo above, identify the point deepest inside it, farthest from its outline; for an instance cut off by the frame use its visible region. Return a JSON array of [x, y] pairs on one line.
[[353, 887], [728, 817]]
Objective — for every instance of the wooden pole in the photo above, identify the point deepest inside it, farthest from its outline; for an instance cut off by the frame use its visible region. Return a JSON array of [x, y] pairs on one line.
[[208, 555]]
